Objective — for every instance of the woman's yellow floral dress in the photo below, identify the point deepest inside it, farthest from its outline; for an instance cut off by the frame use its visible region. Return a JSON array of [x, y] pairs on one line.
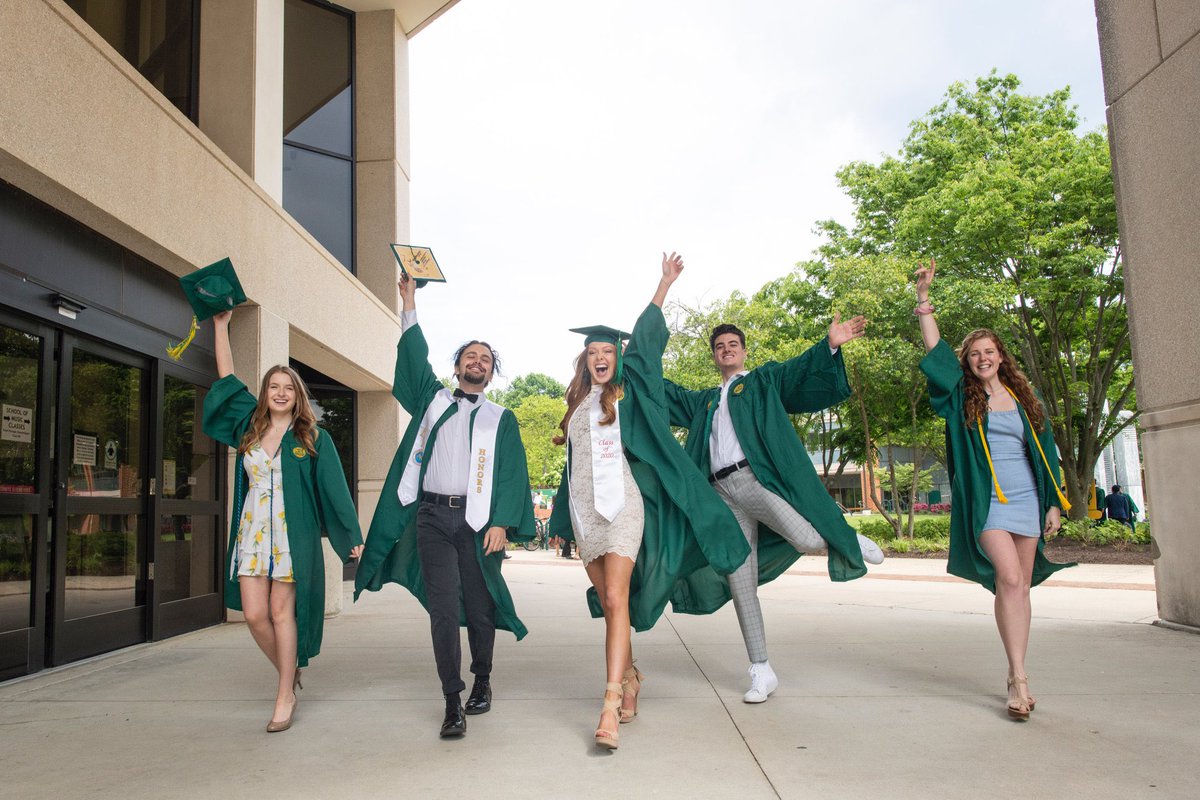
[[262, 532]]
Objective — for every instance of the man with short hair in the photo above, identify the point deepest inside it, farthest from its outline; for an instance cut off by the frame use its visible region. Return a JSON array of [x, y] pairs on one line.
[[457, 491], [741, 436], [1120, 507]]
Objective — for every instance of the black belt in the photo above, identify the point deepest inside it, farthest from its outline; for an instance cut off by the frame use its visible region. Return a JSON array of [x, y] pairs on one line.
[[448, 500], [727, 471]]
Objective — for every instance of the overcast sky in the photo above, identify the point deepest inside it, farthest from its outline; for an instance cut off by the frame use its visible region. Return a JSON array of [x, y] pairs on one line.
[[559, 147]]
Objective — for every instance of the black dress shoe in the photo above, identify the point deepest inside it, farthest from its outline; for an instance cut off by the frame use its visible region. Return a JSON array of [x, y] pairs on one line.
[[480, 701], [455, 724]]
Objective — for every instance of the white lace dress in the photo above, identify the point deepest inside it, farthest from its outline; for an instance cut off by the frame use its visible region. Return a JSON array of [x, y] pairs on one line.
[[262, 531], [594, 534]]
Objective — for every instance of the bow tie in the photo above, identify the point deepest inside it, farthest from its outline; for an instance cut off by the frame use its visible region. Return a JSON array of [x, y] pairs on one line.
[[468, 395]]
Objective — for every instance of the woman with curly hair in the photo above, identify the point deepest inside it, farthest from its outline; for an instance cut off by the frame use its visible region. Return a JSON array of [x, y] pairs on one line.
[[288, 487], [1004, 478]]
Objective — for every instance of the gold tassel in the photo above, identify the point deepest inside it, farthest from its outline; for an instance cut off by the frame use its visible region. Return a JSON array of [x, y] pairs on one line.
[[979, 427], [175, 351], [1061, 498]]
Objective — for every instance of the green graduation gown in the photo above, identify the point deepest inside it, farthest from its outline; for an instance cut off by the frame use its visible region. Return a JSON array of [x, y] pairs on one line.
[[391, 552], [971, 478], [688, 527], [315, 498], [759, 405]]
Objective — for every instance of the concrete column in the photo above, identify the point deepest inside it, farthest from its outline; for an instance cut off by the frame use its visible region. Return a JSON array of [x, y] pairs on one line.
[[1150, 50], [381, 423], [381, 149], [241, 85]]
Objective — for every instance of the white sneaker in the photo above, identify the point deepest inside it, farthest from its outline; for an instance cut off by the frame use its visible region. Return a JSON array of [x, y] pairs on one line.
[[762, 683], [870, 551]]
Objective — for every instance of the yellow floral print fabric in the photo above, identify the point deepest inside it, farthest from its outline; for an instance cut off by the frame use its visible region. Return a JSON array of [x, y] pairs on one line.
[[262, 531]]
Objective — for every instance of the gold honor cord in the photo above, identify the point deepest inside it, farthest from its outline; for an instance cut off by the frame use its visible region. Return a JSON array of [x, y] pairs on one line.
[[175, 351], [1066, 506]]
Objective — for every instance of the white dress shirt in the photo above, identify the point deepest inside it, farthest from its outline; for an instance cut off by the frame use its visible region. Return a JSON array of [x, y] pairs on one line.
[[449, 466], [724, 449]]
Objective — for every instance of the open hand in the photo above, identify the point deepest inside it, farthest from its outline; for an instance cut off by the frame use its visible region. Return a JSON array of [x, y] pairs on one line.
[[672, 265], [842, 332]]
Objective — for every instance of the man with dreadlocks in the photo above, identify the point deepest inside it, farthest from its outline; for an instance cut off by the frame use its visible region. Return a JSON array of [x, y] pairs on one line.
[[457, 492]]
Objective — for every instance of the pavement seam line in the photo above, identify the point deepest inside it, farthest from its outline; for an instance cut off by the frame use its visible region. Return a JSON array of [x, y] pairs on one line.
[[725, 706]]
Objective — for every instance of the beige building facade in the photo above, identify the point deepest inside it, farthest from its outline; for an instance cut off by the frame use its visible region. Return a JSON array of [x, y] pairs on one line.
[[140, 139], [1150, 50]]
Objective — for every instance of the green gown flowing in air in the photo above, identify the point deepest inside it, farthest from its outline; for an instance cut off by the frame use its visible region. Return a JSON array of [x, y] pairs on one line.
[[688, 527], [315, 498], [391, 552], [759, 404], [971, 478]]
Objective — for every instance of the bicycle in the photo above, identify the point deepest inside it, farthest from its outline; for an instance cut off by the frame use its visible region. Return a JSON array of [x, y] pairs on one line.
[[540, 538]]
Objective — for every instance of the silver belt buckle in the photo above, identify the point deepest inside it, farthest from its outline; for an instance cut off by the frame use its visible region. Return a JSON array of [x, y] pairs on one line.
[[454, 500]]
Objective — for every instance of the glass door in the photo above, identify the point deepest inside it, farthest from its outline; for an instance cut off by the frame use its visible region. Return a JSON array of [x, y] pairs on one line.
[[189, 541], [25, 386], [99, 549]]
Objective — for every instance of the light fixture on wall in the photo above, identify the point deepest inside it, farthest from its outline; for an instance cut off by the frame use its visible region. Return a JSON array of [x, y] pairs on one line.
[[69, 307]]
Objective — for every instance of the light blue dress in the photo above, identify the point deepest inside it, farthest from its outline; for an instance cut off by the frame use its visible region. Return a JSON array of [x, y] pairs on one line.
[[1010, 457]]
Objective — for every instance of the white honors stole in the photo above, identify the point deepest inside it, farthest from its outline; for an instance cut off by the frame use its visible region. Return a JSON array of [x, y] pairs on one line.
[[608, 483], [482, 462]]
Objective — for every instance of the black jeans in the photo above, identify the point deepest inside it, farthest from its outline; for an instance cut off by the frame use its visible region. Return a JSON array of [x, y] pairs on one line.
[[454, 582]]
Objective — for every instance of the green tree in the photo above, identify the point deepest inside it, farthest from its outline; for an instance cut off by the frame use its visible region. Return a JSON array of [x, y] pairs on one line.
[[539, 417], [523, 386], [1016, 205]]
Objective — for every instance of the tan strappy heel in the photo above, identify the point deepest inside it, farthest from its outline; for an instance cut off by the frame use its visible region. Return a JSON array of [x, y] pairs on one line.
[[1019, 709], [612, 702], [631, 685]]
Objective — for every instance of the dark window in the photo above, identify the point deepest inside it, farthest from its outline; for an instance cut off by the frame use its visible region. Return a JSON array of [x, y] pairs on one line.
[[318, 124], [158, 37], [335, 407]]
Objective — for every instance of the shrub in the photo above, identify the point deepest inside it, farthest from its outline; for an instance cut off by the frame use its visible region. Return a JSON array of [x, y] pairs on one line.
[[940, 508], [878, 530], [920, 508], [932, 528], [919, 544]]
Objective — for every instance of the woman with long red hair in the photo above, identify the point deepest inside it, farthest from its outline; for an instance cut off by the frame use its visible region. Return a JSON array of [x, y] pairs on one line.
[[641, 513], [1004, 478], [288, 487]]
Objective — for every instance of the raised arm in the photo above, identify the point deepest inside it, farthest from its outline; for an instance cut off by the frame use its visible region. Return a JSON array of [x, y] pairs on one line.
[[221, 338], [672, 265], [924, 309], [414, 380]]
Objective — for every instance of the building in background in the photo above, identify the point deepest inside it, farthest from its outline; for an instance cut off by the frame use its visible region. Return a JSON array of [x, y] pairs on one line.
[[140, 139]]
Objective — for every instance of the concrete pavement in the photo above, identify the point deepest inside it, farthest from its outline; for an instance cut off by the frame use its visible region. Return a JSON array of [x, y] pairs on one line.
[[892, 686]]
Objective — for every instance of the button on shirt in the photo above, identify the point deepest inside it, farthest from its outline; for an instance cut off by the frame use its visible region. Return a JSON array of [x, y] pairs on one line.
[[449, 465]]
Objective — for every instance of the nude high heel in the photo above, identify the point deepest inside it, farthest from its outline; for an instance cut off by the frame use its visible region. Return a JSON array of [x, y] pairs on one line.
[[612, 702], [631, 684]]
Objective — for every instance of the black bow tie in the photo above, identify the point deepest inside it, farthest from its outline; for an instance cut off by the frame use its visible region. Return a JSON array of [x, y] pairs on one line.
[[468, 395]]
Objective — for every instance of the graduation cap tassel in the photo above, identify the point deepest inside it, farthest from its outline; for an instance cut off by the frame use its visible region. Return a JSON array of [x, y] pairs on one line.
[[175, 351]]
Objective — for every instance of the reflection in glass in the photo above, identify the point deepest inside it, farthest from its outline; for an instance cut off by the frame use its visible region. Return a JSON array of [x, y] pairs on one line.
[[318, 190], [19, 374], [189, 457], [16, 571], [102, 564], [317, 101], [155, 36], [105, 446], [185, 557]]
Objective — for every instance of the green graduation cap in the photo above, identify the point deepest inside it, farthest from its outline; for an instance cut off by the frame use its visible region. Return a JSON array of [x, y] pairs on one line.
[[603, 333], [210, 290]]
